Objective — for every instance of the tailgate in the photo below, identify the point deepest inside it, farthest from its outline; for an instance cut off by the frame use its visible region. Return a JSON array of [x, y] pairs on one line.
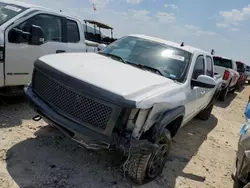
[[220, 70]]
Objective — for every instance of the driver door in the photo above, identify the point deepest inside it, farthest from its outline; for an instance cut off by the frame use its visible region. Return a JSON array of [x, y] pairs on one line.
[[20, 56], [196, 95]]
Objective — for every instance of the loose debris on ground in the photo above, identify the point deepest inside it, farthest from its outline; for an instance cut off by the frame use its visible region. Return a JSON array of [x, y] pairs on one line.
[[35, 155]]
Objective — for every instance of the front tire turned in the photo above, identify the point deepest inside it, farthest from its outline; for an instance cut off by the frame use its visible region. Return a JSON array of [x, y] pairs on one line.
[[143, 168]]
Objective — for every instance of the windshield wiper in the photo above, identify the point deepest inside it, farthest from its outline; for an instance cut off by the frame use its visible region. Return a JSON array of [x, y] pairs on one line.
[[146, 67], [113, 55]]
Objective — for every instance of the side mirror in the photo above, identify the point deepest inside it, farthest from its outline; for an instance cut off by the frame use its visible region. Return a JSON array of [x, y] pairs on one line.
[[36, 35], [204, 81], [101, 47], [18, 36]]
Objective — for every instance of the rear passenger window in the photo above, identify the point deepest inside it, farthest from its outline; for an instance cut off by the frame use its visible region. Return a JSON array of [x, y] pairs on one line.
[[199, 68], [73, 35], [209, 66]]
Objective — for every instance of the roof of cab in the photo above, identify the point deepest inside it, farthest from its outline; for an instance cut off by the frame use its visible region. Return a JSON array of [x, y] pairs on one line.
[[170, 43], [223, 57], [19, 3], [26, 5]]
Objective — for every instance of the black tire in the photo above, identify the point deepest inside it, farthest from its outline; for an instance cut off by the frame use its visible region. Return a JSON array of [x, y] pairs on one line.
[[206, 113], [223, 94], [248, 82], [233, 91], [138, 164]]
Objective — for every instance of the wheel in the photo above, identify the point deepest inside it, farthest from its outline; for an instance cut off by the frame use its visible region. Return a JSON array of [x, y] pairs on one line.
[[223, 94], [143, 168], [205, 114], [248, 82], [233, 90]]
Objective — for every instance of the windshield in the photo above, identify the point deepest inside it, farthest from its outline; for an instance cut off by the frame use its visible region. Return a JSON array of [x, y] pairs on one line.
[[222, 62], [169, 61], [8, 11]]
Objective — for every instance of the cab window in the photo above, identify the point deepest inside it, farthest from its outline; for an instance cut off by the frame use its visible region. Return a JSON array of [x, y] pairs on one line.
[[199, 68], [209, 70], [73, 35], [50, 24]]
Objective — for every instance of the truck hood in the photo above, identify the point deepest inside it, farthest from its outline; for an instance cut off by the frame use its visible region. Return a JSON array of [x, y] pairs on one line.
[[110, 75]]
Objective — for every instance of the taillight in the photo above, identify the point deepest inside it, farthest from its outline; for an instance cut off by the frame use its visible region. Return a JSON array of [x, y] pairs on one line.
[[226, 75]]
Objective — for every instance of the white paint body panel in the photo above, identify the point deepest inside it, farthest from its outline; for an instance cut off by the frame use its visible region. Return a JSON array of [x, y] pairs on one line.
[[234, 75], [145, 88], [19, 58]]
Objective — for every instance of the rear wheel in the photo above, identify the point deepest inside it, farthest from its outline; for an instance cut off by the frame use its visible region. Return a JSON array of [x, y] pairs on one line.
[[143, 168], [223, 94]]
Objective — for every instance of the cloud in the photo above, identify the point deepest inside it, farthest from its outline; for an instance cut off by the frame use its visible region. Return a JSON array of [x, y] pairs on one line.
[[100, 3], [234, 29], [165, 17], [135, 2], [235, 16], [198, 31], [222, 25], [172, 6]]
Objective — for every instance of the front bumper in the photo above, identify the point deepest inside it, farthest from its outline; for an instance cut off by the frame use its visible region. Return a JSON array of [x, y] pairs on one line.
[[75, 131], [83, 135]]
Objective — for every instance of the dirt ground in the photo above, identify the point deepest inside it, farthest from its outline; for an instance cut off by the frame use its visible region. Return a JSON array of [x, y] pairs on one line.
[[33, 155]]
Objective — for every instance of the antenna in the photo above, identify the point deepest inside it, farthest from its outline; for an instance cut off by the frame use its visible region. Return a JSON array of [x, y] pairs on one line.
[[212, 52], [182, 44]]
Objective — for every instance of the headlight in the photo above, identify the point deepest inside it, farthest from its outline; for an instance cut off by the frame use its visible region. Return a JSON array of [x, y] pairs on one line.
[[136, 121]]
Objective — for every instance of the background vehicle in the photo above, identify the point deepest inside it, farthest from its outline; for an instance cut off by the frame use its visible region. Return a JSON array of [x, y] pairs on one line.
[[95, 34], [134, 96], [226, 67], [247, 73], [241, 70], [29, 32]]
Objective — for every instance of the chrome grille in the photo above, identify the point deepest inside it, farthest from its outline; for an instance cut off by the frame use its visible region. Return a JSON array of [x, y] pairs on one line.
[[71, 103]]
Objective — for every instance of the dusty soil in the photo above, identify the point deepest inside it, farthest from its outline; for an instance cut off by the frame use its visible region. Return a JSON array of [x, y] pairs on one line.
[[33, 155]]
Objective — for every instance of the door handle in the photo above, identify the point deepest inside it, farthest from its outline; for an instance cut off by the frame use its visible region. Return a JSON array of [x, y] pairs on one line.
[[202, 92], [60, 51]]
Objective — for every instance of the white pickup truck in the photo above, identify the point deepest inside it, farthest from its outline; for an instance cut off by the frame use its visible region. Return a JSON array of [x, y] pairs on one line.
[[133, 95], [228, 68], [28, 32]]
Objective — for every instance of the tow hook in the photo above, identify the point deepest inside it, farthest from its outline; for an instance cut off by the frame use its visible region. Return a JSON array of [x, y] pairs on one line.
[[37, 118]]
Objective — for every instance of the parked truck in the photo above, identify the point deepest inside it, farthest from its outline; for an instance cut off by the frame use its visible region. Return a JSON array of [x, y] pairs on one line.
[[228, 68], [28, 32], [247, 73], [134, 95], [241, 70]]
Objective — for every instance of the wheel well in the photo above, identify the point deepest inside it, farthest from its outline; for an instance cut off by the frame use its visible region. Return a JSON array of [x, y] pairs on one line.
[[174, 126]]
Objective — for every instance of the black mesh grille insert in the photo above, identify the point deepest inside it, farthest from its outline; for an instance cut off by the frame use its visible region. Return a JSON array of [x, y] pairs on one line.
[[71, 103]]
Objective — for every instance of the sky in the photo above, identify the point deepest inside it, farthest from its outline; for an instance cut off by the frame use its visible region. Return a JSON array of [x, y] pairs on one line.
[[222, 25]]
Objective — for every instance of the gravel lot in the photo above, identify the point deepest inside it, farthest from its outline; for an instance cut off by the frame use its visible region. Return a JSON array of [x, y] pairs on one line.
[[34, 155]]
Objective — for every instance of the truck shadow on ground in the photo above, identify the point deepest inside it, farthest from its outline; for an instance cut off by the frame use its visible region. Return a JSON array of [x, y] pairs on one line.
[[52, 160], [13, 110], [227, 102]]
